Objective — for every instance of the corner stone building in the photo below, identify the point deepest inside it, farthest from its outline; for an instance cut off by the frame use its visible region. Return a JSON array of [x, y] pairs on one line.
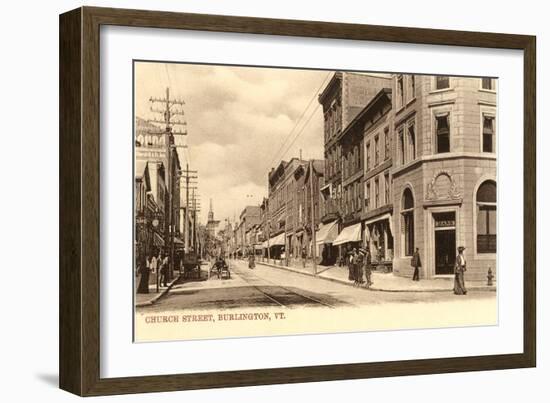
[[444, 173]]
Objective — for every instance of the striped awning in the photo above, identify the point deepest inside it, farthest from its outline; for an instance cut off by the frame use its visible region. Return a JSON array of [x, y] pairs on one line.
[[327, 233], [278, 240], [349, 234]]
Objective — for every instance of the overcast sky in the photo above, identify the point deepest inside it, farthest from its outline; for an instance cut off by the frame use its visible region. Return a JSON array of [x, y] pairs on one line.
[[238, 118]]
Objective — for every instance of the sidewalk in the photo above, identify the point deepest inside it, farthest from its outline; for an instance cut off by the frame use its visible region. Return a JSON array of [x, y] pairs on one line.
[[153, 296], [382, 281]]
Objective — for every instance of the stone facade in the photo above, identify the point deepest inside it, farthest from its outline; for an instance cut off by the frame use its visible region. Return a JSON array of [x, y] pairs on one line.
[[444, 152]]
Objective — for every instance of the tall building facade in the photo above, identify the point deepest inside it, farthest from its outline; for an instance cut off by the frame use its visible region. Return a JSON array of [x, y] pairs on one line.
[[344, 100], [444, 173]]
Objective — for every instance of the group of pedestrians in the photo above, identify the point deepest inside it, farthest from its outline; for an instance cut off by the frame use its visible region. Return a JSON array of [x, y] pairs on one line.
[[152, 264], [359, 263]]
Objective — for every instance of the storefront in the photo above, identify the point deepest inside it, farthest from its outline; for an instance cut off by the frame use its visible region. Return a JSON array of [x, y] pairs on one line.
[[324, 238], [276, 246], [378, 235], [349, 238]]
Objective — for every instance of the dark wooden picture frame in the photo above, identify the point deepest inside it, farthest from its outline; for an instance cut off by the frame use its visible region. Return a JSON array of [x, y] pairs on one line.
[[79, 86]]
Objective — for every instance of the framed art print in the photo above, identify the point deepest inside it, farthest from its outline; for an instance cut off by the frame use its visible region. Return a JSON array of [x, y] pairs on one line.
[[265, 199]]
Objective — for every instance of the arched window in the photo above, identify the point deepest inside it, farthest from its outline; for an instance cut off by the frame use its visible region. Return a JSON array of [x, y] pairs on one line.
[[486, 201], [407, 212]]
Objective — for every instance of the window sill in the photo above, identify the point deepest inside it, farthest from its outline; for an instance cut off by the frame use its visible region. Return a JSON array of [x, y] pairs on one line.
[[487, 91], [441, 90], [399, 110], [485, 256]]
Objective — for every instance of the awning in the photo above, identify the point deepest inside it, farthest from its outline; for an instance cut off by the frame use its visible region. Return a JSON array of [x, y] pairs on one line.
[[386, 216], [349, 234], [327, 233], [157, 240], [178, 243], [278, 240]]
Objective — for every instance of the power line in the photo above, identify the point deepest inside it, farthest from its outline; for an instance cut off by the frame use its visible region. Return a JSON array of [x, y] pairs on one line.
[[301, 131], [315, 94]]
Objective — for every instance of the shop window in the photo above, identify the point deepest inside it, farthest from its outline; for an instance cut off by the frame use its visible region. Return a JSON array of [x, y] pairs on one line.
[[443, 143], [486, 200]]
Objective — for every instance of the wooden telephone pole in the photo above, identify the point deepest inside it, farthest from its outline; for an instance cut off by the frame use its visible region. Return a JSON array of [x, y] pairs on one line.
[[187, 174], [313, 234], [172, 108]]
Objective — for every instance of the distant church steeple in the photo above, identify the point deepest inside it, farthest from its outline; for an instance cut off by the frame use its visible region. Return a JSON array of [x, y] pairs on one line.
[[211, 212], [212, 224]]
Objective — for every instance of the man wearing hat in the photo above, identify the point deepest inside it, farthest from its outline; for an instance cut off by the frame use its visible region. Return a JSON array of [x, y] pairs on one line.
[[359, 261], [352, 265], [367, 264], [460, 268], [416, 263]]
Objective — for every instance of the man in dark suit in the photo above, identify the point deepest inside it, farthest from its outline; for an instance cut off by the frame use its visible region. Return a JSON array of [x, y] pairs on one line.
[[416, 263]]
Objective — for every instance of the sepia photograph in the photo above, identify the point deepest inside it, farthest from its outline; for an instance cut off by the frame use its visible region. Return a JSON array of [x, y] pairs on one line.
[[274, 201]]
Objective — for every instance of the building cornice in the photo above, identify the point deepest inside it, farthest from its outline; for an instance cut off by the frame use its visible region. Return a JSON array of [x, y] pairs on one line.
[[399, 170]]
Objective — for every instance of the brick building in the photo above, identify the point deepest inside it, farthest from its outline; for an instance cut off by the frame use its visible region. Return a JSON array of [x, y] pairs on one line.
[[376, 217], [343, 99], [309, 180]]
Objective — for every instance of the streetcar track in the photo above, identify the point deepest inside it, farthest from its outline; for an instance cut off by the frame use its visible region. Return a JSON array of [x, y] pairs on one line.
[[246, 277]]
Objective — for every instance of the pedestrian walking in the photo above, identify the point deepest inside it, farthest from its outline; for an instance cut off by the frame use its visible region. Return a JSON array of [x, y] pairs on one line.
[[359, 263], [416, 263], [153, 265], [351, 265], [460, 268], [144, 270], [164, 270], [367, 264], [251, 261]]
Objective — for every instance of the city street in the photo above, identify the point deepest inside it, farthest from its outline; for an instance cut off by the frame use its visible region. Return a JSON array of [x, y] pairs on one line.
[[271, 287]]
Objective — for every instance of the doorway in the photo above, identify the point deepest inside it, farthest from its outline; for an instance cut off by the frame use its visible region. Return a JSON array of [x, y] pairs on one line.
[[445, 243]]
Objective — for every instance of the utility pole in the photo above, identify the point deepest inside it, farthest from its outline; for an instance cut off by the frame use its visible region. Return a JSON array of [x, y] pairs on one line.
[[187, 174], [168, 113], [268, 232], [313, 234]]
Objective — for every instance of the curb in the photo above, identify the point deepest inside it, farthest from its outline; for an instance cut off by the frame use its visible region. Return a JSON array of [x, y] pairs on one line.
[[156, 298], [335, 280]]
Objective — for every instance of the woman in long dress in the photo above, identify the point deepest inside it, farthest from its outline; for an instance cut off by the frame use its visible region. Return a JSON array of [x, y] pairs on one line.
[[143, 287], [251, 263], [460, 268]]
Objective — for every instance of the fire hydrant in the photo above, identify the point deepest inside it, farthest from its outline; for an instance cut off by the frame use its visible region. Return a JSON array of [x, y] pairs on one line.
[[490, 277]]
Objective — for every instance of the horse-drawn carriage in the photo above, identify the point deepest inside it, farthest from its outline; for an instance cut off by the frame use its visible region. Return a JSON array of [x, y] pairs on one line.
[[191, 266], [220, 268]]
